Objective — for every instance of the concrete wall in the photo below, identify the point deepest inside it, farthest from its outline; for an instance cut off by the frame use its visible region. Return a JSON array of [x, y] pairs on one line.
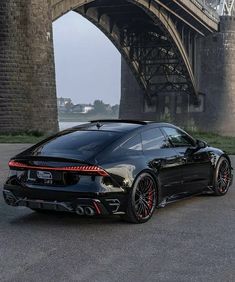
[[27, 73]]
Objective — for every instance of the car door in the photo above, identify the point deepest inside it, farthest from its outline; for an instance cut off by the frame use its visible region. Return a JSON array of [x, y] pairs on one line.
[[163, 159], [195, 162]]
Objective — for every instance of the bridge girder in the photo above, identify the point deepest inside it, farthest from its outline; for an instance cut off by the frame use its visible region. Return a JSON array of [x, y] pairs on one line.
[[149, 42]]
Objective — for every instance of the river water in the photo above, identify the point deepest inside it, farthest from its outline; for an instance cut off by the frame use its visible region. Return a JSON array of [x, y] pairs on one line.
[[65, 125]]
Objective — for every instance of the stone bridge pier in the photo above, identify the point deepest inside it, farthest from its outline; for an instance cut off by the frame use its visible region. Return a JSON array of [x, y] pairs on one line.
[[217, 79], [27, 71]]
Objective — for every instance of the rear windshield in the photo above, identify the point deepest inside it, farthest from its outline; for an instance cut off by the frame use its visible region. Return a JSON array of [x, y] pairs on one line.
[[79, 144]]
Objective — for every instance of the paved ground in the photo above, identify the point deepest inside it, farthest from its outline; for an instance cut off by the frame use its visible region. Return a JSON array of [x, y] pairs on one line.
[[193, 240]]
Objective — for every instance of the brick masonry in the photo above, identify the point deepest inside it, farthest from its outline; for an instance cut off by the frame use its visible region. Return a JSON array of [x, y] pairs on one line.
[[27, 72]]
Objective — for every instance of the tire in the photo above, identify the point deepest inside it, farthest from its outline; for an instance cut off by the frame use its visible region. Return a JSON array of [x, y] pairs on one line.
[[142, 199], [222, 177]]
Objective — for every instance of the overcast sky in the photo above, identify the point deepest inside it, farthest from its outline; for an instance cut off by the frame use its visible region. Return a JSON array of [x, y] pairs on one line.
[[88, 66]]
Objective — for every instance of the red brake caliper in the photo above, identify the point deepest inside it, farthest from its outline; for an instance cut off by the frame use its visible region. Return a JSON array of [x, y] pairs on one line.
[[150, 199]]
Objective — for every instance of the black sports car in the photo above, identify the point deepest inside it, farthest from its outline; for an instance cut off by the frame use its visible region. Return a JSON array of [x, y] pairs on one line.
[[119, 167]]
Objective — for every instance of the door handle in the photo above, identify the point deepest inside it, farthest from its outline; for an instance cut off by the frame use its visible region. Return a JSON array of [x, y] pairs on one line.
[[155, 163]]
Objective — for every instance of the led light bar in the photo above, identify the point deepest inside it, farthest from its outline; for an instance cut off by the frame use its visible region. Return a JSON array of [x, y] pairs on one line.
[[93, 169]]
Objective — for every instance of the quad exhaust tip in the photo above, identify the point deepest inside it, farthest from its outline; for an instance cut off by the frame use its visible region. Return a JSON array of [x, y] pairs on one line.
[[89, 211], [80, 210], [85, 211], [11, 200]]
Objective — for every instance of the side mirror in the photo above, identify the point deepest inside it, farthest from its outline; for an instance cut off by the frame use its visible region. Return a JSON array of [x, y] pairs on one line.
[[201, 144]]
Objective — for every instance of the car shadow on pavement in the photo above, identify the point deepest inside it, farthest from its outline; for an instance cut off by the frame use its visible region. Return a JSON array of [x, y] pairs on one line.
[[63, 219], [58, 219]]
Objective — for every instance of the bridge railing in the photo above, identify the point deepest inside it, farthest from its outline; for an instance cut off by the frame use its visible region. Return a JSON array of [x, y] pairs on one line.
[[207, 8]]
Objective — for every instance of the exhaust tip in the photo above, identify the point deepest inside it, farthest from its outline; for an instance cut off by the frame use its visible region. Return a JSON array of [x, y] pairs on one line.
[[80, 210], [89, 211]]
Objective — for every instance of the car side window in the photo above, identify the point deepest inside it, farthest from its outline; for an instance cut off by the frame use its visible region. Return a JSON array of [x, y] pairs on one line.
[[153, 139], [133, 144], [178, 138]]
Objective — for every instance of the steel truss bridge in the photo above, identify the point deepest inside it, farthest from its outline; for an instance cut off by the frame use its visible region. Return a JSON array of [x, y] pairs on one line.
[[157, 38]]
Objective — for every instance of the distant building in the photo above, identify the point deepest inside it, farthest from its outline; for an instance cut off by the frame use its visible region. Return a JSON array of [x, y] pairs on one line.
[[64, 105], [87, 108], [77, 108], [82, 108], [61, 102]]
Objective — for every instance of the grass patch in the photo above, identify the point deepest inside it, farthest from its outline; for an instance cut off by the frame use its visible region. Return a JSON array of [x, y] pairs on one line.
[[21, 138], [225, 143]]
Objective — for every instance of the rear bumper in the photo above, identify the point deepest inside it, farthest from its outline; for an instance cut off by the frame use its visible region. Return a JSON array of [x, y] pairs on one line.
[[82, 204]]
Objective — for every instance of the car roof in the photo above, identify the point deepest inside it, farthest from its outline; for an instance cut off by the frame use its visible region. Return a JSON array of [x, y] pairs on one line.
[[117, 125]]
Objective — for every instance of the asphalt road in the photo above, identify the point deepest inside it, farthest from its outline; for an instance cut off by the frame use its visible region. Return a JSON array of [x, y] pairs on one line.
[[192, 240]]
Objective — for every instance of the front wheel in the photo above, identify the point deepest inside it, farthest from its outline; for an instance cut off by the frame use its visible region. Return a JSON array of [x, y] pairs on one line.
[[222, 177], [142, 199]]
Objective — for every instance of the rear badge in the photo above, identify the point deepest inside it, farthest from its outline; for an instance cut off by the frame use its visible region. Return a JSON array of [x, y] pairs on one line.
[[46, 175]]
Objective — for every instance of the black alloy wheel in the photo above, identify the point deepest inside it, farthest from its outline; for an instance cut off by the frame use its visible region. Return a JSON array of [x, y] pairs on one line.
[[142, 200], [222, 177]]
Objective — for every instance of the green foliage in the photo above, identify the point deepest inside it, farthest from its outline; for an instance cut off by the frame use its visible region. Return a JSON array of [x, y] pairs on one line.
[[99, 107], [34, 133], [115, 110], [30, 137]]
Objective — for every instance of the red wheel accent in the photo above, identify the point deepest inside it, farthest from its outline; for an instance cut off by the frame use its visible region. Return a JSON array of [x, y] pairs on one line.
[[222, 177], [145, 197]]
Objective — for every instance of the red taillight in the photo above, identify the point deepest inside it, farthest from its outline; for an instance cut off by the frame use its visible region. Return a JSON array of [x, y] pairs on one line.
[[93, 169]]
